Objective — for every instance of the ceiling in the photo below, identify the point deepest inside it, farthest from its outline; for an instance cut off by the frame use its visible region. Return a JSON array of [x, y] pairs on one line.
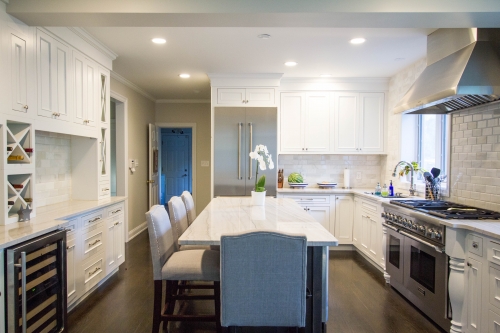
[[198, 51]]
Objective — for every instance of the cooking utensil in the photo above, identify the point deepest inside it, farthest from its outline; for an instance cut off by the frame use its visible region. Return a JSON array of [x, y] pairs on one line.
[[428, 176], [435, 172]]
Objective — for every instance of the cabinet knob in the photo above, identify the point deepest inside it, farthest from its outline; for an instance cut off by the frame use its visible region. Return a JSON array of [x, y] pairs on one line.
[[25, 107], [307, 148], [302, 148]]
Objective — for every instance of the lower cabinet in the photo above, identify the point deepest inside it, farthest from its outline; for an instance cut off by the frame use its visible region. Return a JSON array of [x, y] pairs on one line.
[[344, 213], [95, 248], [367, 230]]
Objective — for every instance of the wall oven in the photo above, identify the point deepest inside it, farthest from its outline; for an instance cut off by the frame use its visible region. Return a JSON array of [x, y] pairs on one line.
[[35, 284], [417, 265]]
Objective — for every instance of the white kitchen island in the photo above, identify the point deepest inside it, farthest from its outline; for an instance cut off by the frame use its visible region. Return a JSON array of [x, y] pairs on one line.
[[230, 215]]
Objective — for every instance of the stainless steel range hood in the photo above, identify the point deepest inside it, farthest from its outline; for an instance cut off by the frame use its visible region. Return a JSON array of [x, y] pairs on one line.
[[463, 70]]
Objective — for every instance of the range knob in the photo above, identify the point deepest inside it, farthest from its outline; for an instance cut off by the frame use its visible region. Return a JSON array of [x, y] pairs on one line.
[[431, 233], [414, 226], [438, 235], [421, 228], [383, 215]]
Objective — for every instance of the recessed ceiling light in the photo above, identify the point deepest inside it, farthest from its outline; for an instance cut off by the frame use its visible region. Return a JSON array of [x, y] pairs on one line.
[[264, 36], [325, 75], [290, 63], [159, 40], [358, 40], [184, 76]]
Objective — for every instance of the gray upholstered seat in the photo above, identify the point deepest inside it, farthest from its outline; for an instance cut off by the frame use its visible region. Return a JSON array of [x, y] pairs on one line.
[[172, 266], [187, 198], [179, 220], [263, 279]]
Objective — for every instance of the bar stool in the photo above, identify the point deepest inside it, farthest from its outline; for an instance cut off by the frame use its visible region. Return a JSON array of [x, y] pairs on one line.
[[187, 198], [173, 266]]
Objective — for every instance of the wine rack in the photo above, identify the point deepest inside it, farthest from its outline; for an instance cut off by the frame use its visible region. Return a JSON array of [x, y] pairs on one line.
[[19, 143], [19, 192]]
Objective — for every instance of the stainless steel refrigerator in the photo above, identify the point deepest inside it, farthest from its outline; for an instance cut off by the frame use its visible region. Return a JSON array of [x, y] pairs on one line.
[[237, 131]]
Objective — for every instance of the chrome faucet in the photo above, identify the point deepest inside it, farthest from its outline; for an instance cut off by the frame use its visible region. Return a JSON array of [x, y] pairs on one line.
[[412, 186]]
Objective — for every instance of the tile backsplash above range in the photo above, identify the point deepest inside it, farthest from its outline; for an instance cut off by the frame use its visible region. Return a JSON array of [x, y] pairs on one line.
[[365, 169]]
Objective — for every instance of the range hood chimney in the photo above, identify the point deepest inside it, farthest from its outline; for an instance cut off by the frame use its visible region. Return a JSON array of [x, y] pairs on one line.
[[463, 70]]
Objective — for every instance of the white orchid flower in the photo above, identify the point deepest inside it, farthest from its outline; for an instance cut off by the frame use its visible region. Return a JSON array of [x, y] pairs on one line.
[[262, 165], [254, 155], [271, 165]]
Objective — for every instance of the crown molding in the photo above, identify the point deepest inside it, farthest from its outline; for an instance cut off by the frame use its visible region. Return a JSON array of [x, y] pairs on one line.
[[336, 80], [245, 79], [131, 85], [86, 36], [182, 101]]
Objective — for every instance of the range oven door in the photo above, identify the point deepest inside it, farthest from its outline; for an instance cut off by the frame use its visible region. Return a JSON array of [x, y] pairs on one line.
[[394, 255], [426, 275]]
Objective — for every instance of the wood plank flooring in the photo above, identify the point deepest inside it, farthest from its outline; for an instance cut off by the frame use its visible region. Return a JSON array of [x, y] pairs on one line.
[[360, 301]]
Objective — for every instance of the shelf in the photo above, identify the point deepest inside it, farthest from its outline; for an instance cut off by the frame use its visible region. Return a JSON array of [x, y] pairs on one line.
[[19, 138], [18, 195]]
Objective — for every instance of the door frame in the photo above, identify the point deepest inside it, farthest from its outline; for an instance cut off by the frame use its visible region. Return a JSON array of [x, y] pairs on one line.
[[122, 152], [159, 127]]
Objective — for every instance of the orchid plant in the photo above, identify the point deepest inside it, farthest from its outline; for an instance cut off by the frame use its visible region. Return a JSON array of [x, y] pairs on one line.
[[263, 160]]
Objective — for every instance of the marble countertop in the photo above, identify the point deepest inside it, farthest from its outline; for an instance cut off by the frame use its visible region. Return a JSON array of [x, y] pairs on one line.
[[362, 192], [230, 215], [49, 218]]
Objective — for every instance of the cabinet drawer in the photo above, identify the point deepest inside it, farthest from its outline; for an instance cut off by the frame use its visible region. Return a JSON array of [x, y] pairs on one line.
[[369, 206], [309, 199], [475, 245], [493, 252], [92, 272], [104, 189], [493, 322], [71, 228], [494, 285], [116, 209], [92, 218], [93, 241]]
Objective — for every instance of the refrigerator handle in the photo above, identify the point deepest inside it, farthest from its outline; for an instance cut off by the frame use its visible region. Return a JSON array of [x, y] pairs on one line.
[[250, 126], [23, 289], [239, 150]]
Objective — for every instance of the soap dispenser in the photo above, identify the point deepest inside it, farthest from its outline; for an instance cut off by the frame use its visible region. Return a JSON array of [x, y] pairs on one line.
[[385, 191], [391, 189], [377, 189]]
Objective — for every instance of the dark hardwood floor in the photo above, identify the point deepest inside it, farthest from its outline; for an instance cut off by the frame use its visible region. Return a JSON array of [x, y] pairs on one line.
[[360, 301]]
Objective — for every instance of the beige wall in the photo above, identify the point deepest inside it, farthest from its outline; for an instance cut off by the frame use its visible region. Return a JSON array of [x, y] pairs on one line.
[[198, 113], [140, 114]]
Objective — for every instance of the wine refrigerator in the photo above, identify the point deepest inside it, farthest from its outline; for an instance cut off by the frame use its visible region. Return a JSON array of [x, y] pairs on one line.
[[36, 285]]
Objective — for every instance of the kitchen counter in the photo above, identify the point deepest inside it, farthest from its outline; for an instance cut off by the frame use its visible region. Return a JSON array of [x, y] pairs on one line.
[[356, 191], [49, 218]]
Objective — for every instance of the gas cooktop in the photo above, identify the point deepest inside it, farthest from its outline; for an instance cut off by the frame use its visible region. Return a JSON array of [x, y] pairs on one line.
[[448, 210]]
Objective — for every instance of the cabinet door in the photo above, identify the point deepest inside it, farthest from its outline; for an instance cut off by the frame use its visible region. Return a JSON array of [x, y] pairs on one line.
[[53, 77], [292, 106], [259, 97], [356, 228], [365, 233], [19, 81], [92, 92], [85, 90], [344, 208], [371, 122], [375, 238], [473, 272], [317, 122], [104, 155], [321, 214], [115, 244], [104, 98], [231, 96], [346, 123], [71, 259]]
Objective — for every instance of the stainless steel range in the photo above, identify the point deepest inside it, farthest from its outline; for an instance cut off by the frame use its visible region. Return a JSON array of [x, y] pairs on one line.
[[415, 258]]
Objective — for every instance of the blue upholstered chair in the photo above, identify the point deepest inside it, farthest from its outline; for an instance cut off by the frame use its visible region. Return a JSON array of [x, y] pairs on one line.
[[263, 279], [174, 266]]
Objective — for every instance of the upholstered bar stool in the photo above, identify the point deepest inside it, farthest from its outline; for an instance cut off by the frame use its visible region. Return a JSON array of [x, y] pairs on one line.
[[263, 280], [173, 266], [187, 198]]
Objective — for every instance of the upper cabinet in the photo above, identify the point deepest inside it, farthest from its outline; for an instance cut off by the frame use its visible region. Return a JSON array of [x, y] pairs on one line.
[[86, 89], [305, 122], [359, 122], [245, 97], [104, 97], [53, 77], [19, 73]]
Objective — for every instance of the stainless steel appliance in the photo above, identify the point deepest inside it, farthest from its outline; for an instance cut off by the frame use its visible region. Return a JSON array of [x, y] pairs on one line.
[[36, 285], [237, 130]]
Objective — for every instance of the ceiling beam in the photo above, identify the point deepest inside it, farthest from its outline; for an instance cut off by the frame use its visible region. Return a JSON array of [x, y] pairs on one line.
[[259, 13]]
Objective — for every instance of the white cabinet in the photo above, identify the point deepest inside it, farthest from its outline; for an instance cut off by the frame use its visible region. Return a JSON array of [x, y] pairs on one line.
[[344, 213], [115, 253], [356, 227], [367, 230], [359, 122], [473, 271], [72, 270], [305, 122], [318, 206], [86, 89], [53, 77], [245, 97], [19, 72], [320, 214], [103, 77]]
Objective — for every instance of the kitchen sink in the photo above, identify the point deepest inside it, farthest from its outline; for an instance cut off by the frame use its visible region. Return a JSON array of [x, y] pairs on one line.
[[397, 196]]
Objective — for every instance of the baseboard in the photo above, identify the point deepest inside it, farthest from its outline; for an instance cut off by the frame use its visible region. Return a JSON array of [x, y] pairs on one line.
[[342, 247], [137, 230]]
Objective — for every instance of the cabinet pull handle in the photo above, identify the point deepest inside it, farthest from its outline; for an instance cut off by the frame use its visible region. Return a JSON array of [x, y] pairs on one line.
[[239, 150], [22, 265], [93, 220], [475, 245], [94, 243], [469, 264], [250, 126], [70, 247], [105, 189], [97, 269], [116, 223], [116, 211]]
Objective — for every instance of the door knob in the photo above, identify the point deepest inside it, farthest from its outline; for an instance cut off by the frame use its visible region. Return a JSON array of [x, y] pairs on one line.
[[150, 181], [184, 175]]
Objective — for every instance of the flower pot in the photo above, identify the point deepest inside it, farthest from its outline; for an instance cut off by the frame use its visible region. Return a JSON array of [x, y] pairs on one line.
[[258, 198]]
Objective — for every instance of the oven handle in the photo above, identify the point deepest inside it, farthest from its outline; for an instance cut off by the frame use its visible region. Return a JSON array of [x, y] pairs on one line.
[[437, 248], [390, 227]]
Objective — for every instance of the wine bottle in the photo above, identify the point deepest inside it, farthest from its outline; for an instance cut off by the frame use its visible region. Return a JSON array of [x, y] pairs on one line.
[[10, 149], [28, 199], [28, 150], [17, 185], [15, 158], [10, 203]]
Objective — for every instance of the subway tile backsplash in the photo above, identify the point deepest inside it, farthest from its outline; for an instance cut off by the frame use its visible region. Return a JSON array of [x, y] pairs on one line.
[[53, 168], [475, 157], [318, 168]]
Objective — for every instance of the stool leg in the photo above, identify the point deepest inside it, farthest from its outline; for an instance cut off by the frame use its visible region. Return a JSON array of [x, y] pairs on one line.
[[157, 305], [217, 306]]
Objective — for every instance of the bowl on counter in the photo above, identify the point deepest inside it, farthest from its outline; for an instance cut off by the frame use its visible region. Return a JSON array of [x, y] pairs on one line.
[[298, 185]]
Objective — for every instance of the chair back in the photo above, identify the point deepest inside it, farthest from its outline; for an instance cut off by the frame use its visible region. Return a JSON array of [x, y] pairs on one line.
[[178, 216], [263, 279], [187, 198], [162, 240]]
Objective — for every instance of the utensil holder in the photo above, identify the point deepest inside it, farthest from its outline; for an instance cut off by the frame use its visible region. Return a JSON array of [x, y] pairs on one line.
[[432, 191]]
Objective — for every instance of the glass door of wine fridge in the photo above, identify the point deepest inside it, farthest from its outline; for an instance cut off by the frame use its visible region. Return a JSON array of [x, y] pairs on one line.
[[36, 285]]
